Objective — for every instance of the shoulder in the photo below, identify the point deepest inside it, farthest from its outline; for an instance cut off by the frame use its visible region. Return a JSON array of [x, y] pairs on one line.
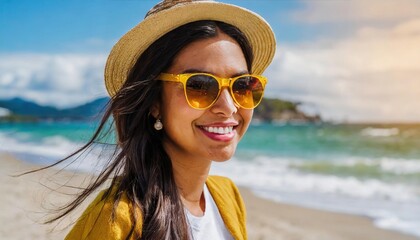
[[105, 219]]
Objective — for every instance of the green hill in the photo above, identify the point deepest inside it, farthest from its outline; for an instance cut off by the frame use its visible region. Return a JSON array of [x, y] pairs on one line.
[[277, 110], [270, 110], [27, 111]]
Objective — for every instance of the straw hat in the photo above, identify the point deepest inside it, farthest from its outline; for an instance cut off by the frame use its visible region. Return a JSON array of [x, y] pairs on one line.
[[170, 14]]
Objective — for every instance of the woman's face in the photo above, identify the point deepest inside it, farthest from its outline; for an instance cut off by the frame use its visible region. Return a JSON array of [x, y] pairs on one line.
[[188, 131]]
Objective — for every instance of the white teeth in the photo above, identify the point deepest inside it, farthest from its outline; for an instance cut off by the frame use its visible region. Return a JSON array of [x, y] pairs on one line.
[[219, 130]]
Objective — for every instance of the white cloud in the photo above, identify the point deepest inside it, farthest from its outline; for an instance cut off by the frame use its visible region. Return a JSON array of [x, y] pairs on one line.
[[357, 11], [371, 76], [52, 79]]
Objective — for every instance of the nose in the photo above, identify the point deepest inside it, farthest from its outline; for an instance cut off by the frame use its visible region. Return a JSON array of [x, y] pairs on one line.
[[224, 105]]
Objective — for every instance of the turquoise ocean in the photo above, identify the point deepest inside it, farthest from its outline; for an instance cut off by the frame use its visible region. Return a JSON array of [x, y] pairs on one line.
[[369, 170]]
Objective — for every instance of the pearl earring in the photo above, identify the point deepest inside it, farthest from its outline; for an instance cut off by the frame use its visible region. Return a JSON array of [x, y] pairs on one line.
[[158, 125]]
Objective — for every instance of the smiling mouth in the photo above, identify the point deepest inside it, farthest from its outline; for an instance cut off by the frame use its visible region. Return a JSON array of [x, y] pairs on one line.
[[219, 130]]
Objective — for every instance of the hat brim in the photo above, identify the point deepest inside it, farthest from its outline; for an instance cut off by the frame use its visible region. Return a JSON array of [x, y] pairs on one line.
[[128, 49]]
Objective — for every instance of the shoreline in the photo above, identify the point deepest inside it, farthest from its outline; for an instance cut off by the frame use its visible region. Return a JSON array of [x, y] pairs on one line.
[[26, 202]]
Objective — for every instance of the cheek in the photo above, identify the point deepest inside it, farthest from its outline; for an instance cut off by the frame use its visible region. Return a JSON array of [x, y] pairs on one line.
[[172, 95], [174, 105], [246, 115]]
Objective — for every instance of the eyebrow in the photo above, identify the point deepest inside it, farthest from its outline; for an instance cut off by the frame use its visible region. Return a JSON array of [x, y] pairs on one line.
[[193, 70]]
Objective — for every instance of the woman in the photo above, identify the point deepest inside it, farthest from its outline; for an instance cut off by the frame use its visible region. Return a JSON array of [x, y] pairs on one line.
[[183, 85]]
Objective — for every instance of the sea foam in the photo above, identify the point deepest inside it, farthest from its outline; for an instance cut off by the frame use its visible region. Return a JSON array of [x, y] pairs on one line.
[[54, 146], [51, 149], [278, 173], [380, 132]]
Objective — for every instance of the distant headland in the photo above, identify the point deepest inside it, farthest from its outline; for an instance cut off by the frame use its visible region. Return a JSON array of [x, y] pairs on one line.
[[19, 110]]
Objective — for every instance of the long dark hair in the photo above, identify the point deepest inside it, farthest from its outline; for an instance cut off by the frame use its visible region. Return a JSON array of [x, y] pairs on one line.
[[141, 168]]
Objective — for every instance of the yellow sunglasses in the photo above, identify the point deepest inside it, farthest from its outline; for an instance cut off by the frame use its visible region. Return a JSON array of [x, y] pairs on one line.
[[202, 89]]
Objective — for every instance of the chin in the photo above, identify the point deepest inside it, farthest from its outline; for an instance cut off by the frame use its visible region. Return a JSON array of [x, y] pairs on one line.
[[221, 160], [222, 154], [222, 157]]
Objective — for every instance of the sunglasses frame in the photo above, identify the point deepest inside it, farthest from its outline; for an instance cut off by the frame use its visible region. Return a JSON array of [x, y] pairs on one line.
[[222, 82]]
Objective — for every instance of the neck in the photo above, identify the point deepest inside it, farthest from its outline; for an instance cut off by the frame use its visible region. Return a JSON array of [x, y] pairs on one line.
[[190, 177]]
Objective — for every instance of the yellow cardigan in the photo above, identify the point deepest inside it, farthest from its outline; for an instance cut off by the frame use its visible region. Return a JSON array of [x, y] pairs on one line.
[[96, 223]]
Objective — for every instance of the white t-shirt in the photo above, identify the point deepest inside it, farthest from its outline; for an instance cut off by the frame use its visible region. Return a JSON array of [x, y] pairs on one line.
[[211, 225]]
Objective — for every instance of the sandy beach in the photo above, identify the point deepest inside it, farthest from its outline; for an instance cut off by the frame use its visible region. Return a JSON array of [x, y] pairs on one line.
[[27, 200]]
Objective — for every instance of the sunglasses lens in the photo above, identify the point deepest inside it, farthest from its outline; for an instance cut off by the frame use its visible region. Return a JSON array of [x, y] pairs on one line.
[[248, 91], [201, 90]]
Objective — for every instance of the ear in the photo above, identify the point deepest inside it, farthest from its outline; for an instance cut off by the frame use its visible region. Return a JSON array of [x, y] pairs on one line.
[[155, 110]]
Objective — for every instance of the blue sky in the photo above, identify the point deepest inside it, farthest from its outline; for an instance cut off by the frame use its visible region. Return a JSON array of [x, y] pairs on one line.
[[346, 60], [61, 26]]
